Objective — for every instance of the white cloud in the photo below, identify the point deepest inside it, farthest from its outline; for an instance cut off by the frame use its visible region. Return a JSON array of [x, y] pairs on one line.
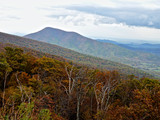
[[71, 17]]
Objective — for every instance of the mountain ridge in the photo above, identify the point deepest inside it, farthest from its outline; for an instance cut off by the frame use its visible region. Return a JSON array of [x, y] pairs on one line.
[[82, 44], [69, 54]]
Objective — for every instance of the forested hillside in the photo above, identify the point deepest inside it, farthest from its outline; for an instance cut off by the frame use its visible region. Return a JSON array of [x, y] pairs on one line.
[[109, 51], [70, 55], [43, 88]]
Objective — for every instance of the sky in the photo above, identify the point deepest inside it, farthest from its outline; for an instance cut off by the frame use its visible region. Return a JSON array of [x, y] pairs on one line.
[[120, 20]]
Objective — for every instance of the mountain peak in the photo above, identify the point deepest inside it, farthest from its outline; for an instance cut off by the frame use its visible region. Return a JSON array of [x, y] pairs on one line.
[[50, 28], [49, 34], [56, 29]]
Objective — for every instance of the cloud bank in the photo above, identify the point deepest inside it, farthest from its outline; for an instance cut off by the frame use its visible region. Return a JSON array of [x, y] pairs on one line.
[[129, 16]]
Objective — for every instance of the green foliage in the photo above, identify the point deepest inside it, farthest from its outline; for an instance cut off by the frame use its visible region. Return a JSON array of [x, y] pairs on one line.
[[15, 58], [149, 83], [44, 114], [25, 111], [4, 66]]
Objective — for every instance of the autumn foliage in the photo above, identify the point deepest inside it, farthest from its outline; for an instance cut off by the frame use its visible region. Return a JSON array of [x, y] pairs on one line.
[[33, 88]]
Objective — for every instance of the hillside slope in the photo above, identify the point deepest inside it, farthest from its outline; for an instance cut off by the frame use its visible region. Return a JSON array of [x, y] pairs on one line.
[[69, 54], [79, 43]]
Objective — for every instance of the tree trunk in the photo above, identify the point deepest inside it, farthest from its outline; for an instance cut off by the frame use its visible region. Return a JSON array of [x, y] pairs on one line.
[[78, 106], [4, 86], [91, 104]]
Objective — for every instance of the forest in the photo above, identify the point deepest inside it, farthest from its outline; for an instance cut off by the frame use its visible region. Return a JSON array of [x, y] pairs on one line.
[[43, 88]]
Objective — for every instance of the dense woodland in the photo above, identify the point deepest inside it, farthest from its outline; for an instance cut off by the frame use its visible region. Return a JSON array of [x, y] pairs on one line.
[[43, 88]]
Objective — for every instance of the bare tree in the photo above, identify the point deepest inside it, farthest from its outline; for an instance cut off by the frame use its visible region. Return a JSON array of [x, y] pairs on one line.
[[105, 83], [7, 72], [71, 82], [22, 90], [4, 87], [82, 84], [78, 84]]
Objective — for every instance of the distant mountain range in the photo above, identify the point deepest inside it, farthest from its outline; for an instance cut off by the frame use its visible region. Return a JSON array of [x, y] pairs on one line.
[[109, 51], [40, 48], [149, 48], [145, 47], [108, 41]]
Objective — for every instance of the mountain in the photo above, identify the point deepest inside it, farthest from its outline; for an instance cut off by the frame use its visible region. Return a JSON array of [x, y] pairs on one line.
[[68, 54], [109, 51]]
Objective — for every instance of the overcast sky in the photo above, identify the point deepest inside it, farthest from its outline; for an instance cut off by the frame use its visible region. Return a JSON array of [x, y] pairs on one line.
[[104, 19]]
